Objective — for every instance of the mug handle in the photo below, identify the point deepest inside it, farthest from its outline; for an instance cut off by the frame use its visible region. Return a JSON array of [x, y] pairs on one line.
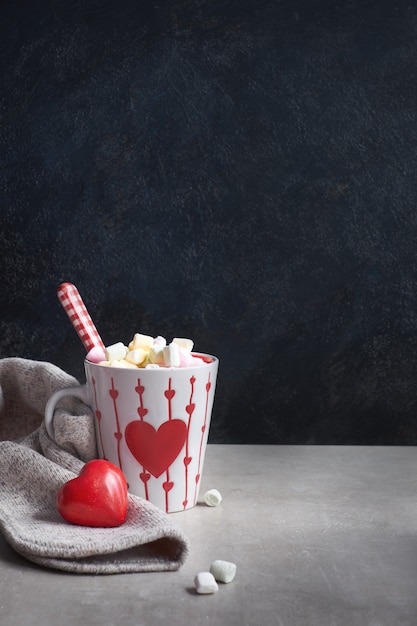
[[80, 391]]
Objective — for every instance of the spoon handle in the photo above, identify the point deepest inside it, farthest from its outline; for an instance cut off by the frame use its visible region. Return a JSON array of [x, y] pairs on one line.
[[73, 305]]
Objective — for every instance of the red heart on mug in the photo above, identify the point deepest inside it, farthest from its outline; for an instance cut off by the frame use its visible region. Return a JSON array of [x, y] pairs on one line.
[[190, 408], [169, 394], [155, 449], [97, 497]]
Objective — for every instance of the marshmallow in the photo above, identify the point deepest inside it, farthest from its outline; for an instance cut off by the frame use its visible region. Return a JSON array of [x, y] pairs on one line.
[[96, 354], [223, 571], [116, 351], [171, 355], [145, 351], [205, 583], [187, 344], [122, 363], [141, 341], [212, 497], [136, 356], [186, 358], [156, 354]]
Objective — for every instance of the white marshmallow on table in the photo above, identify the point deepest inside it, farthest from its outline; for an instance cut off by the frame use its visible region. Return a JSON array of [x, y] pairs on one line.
[[223, 571], [116, 351], [212, 497], [205, 583]]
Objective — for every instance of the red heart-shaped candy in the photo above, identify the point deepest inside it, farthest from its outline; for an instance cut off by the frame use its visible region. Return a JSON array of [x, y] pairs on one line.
[[97, 497]]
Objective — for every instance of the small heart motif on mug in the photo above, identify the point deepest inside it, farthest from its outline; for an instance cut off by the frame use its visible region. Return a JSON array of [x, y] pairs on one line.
[[190, 408], [144, 476], [139, 389], [98, 415], [167, 486], [208, 387], [169, 393], [118, 436], [187, 460], [113, 393], [142, 411]]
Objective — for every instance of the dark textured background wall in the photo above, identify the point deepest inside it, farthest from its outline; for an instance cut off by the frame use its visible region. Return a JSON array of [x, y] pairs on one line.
[[240, 172]]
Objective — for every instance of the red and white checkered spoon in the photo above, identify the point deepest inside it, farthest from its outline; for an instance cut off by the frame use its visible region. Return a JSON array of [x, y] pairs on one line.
[[69, 297]]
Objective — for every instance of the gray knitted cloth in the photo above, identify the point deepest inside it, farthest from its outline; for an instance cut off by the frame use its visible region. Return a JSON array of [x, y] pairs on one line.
[[33, 467]]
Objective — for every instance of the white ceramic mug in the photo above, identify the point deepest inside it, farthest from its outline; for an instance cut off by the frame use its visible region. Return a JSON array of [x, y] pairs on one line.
[[152, 423]]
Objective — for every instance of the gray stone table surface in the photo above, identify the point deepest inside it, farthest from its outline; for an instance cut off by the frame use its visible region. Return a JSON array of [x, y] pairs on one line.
[[321, 535]]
